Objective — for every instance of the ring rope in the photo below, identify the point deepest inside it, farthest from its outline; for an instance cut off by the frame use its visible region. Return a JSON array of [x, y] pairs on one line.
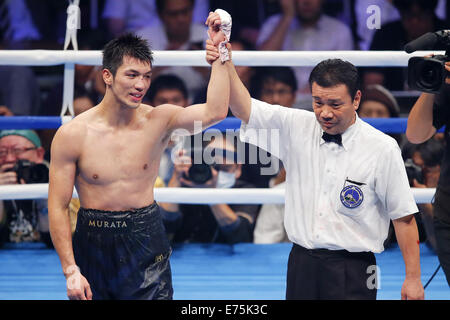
[[191, 195], [196, 58]]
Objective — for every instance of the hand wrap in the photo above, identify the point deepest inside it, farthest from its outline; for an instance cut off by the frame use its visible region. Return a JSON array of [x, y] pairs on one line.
[[225, 26]]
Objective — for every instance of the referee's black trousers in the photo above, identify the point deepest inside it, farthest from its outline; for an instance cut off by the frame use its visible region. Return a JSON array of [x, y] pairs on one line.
[[331, 274]]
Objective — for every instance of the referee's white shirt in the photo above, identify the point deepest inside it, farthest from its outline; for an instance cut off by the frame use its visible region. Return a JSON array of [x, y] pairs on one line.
[[317, 172]]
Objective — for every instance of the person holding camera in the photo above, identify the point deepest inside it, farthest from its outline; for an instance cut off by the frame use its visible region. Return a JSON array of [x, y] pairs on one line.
[[430, 113], [423, 166], [22, 162], [220, 223]]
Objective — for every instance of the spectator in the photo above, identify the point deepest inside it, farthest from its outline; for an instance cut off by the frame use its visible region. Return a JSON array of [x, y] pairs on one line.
[[178, 32], [167, 89], [245, 72], [388, 13], [128, 16], [269, 227], [220, 223], [303, 26], [417, 18], [23, 220], [19, 92], [276, 85], [82, 101], [428, 157], [27, 25], [248, 16], [378, 102]]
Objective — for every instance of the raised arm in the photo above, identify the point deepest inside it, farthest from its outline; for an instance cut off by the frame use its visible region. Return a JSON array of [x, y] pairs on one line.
[[218, 92], [64, 155], [240, 99], [420, 120]]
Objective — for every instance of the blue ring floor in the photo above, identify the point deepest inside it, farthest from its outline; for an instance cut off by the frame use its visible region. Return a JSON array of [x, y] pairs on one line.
[[29, 271]]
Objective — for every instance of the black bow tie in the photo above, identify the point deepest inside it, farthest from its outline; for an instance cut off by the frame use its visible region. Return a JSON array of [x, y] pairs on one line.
[[336, 138]]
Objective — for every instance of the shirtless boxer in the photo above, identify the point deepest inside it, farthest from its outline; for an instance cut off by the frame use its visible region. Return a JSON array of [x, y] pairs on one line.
[[111, 154]]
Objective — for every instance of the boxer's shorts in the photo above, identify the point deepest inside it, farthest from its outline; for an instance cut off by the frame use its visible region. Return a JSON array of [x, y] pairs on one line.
[[124, 254]]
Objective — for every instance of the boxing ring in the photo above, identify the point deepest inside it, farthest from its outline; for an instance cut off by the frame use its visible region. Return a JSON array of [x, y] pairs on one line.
[[200, 271]]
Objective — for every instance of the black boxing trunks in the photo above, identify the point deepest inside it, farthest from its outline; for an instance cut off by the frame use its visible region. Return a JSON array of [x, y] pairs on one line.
[[124, 254]]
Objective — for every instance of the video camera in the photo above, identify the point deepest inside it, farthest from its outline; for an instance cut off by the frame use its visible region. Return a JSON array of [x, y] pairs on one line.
[[200, 171], [31, 172], [427, 74]]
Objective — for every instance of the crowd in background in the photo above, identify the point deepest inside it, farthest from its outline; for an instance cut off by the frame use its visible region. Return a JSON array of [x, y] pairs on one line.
[[179, 25]]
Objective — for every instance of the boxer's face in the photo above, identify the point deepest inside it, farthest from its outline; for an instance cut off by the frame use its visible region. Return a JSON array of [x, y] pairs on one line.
[[131, 81], [334, 107]]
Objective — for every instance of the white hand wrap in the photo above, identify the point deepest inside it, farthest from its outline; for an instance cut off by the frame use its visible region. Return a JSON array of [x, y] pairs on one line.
[[225, 26]]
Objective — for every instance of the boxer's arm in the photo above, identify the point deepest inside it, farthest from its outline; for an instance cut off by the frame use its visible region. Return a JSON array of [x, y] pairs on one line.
[[61, 183], [420, 120], [214, 110]]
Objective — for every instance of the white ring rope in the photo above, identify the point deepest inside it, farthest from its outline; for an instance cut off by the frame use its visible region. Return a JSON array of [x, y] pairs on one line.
[[197, 58], [191, 195]]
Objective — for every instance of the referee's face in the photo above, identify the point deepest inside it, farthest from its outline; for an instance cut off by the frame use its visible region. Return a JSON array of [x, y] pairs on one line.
[[334, 107]]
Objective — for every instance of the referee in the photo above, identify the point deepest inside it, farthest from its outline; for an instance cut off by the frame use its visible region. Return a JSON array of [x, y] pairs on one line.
[[345, 181]]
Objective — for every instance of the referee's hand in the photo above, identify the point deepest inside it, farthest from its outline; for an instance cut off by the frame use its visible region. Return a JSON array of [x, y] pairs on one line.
[[412, 289]]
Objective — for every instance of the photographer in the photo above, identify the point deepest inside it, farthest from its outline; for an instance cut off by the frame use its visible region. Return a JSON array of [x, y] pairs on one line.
[[22, 162], [220, 223], [430, 113]]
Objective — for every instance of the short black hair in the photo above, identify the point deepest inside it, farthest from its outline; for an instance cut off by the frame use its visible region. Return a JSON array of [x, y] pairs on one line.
[[161, 4], [280, 74], [333, 72], [166, 82], [126, 45], [432, 152]]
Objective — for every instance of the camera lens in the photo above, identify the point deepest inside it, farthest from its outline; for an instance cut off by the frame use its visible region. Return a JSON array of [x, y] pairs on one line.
[[199, 173], [430, 75], [39, 173]]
